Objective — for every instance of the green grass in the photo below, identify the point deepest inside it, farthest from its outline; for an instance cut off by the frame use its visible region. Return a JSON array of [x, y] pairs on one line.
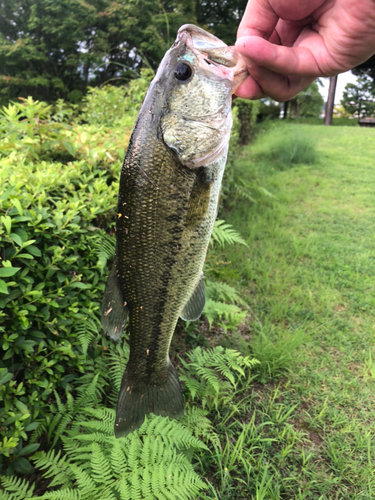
[[306, 428]]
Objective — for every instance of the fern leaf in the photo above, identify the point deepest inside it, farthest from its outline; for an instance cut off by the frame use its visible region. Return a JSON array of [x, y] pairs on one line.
[[216, 310], [85, 482], [135, 483], [118, 461], [100, 466], [16, 488], [64, 494], [106, 251], [224, 234], [132, 452], [57, 467], [87, 330], [219, 291], [146, 482]]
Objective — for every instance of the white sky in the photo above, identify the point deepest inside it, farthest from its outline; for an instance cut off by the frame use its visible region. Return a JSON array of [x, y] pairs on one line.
[[342, 80]]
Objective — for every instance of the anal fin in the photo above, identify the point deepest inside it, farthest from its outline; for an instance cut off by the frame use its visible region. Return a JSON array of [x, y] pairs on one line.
[[114, 309], [194, 306]]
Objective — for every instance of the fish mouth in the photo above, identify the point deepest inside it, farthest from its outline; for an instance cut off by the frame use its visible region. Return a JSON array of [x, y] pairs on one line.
[[214, 56]]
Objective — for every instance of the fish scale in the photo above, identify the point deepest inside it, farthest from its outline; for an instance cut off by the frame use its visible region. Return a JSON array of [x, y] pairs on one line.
[[167, 206]]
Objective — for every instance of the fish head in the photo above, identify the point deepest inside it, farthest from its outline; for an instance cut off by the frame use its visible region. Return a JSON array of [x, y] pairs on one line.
[[199, 74]]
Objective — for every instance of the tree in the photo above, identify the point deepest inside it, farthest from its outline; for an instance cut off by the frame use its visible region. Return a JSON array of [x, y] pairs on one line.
[[221, 17], [328, 115], [307, 103], [359, 99], [56, 48], [366, 68]]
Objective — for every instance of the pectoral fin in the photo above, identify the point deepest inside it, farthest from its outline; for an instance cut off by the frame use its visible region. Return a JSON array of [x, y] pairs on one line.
[[114, 308], [194, 306]]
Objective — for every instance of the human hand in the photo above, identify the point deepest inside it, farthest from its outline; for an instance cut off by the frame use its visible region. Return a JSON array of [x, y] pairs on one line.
[[287, 44]]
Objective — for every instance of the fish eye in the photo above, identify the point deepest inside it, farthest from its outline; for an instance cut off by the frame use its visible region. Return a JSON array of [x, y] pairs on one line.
[[183, 71]]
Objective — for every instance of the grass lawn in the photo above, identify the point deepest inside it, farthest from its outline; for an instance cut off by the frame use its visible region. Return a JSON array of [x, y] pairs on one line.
[[307, 426]]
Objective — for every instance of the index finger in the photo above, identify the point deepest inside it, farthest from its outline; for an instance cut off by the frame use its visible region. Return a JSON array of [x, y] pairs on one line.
[[259, 19]]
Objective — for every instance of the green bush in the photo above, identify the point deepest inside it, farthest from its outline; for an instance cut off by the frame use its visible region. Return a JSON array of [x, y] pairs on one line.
[[116, 106], [58, 201], [247, 113]]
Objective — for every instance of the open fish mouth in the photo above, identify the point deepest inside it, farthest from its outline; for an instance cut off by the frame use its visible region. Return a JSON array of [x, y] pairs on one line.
[[214, 56]]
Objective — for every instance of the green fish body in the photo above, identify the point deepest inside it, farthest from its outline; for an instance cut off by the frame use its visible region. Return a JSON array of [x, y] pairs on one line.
[[167, 205]]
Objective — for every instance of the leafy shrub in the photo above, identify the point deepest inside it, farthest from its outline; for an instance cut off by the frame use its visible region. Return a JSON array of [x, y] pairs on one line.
[[247, 112], [116, 106], [268, 110], [57, 201]]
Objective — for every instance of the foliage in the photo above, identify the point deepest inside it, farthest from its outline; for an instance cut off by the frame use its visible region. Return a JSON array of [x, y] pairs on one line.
[[268, 110], [150, 463], [307, 103], [221, 18], [56, 50], [55, 205], [223, 233], [358, 99], [153, 462], [340, 112], [212, 374], [247, 115], [116, 106]]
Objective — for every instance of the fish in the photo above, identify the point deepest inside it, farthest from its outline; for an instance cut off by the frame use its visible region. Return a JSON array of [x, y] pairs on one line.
[[168, 199]]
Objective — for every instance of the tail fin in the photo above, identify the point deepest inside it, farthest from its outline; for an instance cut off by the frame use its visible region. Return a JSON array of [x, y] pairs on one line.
[[162, 396]]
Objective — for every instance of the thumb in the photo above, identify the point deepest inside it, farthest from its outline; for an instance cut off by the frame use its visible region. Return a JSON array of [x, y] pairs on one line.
[[259, 19]]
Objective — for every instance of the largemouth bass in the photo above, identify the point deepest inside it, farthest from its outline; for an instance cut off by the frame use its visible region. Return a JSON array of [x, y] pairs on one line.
[[167, 205]]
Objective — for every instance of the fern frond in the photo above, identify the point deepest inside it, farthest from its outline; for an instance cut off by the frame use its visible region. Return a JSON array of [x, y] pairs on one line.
[[172, 433], [117, 458], [87, 330], [85, 483], [64, 494], [104, 419], [57, 467], [106, 251], [135, 485], [100, 467], [196, 421], [123, 488], [216, 371], [244, 191], [219, 291], [217, 310], [95, 437], [16, 488], [117, 363], [224, 234]]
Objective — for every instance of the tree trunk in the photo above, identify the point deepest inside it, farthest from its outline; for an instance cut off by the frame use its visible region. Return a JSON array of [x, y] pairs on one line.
[[330, 101], [285, 110], [294, 108]]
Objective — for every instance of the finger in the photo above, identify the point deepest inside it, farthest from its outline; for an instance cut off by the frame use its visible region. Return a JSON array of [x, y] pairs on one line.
[[298, 61], [250, 89], [259, 19], [279, 87]]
